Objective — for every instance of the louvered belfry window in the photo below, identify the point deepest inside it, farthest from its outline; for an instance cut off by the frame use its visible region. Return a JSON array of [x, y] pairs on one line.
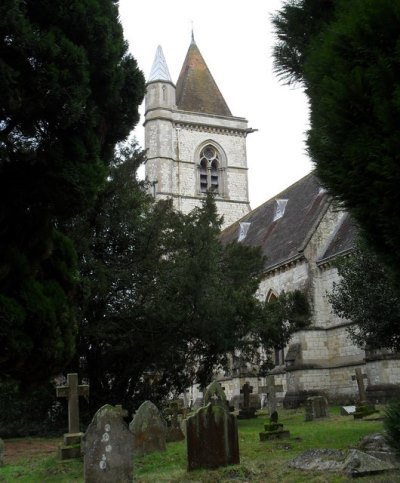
[[209, 169]]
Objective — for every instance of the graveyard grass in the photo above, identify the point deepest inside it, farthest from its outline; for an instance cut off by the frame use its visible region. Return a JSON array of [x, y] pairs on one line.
[[260, 462]]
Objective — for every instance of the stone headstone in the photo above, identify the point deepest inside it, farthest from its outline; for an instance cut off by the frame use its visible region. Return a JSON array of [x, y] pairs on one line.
[[212, 438], [108, 448], [72, 440], [149, 430], [316, 408], [215, 395]]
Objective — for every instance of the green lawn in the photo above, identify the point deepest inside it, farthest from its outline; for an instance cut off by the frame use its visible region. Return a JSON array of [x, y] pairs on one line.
[[260, 462]]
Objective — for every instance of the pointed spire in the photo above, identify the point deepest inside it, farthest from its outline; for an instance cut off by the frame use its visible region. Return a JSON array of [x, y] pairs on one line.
[[159, 71], [196, 89]]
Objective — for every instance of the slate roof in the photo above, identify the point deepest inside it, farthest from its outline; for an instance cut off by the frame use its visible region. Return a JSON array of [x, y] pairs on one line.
[[196, 89], [285, 238], [342, 241]]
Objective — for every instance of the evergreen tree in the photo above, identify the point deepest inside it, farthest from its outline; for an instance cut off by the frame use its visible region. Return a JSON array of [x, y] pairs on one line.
[[163, 301], [346, 56], [70, 92], [365, 296]]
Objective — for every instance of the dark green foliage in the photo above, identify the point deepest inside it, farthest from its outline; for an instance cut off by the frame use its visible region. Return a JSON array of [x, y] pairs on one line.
[[163, 302], [365, 296], [70, 92], [280, 317], [350, 66], [296, 25], [36, 412], [392, 426]]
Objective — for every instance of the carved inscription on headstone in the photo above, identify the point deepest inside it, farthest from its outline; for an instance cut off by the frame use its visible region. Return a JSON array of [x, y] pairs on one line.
[[108, 448]]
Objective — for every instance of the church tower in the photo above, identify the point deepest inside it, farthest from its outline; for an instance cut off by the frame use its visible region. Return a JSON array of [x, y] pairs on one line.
[[193, 142]]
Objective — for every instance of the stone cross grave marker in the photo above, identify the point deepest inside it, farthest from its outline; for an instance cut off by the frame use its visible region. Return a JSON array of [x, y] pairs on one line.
[[246, 412], [174, 431], [246, 391], [271, 391], [108, 448], [149, 430], [359, 377], [72, 391], [72, 440]]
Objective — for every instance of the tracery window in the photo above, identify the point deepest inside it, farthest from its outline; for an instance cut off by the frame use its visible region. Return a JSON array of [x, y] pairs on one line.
[[209, 169]]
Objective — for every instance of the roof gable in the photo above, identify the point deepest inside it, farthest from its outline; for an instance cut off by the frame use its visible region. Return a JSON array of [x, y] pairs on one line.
[[196, 89]]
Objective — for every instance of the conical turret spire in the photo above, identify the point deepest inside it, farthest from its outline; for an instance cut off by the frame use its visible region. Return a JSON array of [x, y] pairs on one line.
[[196, 89], [159, 71]]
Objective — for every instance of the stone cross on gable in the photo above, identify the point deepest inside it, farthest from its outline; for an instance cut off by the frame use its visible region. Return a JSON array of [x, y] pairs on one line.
[[72, 391], [359, 377], [246, 391], [272, 389]]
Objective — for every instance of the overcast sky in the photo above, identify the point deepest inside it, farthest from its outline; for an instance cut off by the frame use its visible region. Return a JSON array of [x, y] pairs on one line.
[[235, 39]]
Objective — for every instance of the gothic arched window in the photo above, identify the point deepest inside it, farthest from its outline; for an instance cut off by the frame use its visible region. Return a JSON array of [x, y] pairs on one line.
[[209, 169]]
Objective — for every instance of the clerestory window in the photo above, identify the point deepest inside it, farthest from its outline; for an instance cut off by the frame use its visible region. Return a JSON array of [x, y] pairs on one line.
[[209, 169]]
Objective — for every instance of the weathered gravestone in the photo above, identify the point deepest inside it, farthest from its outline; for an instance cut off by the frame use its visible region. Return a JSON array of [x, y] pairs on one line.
[[215, 395], [362, 407], [316, 408], [212, 435], [108, 448], [149, 430], [72, 439], [245, 411], [172, 413]]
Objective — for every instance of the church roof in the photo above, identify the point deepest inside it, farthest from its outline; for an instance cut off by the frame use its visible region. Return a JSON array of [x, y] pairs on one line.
[[159, 70], [196, 89], [283, 225]]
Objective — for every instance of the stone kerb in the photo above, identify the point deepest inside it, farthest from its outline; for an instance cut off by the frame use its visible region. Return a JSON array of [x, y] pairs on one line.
[[149, 430], [212, 438], [108, 448]]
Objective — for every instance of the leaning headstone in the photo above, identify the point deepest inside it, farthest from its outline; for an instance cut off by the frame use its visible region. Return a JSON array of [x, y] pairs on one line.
[[274, 430], [149, 430], [246, 411], [212, 438], [363, 409], [72, 440], [316, 408], [172, 413], [1, 452], [108, 447]]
